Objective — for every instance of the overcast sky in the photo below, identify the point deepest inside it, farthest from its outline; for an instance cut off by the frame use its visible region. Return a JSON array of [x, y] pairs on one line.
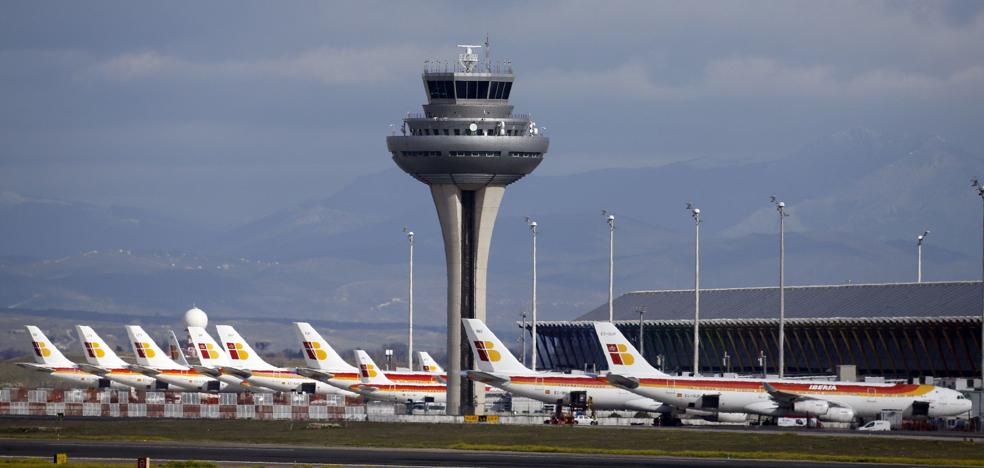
[[220, 112]]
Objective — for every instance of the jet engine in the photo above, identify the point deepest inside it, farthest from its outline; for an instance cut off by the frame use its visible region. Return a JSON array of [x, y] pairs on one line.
[[811, 407], [838, 414]]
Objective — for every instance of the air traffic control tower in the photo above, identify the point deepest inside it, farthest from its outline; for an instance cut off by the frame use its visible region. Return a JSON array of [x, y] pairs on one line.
[[467, 146]]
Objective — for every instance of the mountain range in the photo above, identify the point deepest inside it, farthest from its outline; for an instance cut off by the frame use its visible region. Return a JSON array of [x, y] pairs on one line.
[[857, 199]]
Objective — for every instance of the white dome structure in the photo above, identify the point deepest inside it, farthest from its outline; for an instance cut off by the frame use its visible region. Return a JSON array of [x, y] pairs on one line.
[[195, 317]]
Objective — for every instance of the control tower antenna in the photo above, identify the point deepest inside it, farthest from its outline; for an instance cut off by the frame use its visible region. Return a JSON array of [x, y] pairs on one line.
[[467, 147], [469, 59], [488, 55]]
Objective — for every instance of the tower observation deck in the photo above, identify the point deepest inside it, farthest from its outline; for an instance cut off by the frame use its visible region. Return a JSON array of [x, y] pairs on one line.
[[467, 146]]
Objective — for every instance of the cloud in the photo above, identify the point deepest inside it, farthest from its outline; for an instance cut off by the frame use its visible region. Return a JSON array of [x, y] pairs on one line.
[[756, 77], [327, 65]]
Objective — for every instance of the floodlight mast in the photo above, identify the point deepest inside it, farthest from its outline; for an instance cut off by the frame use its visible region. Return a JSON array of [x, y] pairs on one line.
[[611, 263], [781, 208], [919, 242], [410, 301], [695, 213], [532, 224], [980, 193]]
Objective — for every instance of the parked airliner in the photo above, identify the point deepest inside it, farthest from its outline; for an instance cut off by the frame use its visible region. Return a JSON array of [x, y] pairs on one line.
[[101, 360], [377, 386], [825, 400], [247, 364], [47, 358], [499, 368]]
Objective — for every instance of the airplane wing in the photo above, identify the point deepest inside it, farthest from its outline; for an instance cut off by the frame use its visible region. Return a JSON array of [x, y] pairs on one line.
[[788, 398], [486, 377], [316, 374], [149, 372], [97, 370], [622, 381]]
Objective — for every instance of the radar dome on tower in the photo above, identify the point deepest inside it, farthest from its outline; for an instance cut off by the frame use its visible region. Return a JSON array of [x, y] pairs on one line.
[[195, 317]]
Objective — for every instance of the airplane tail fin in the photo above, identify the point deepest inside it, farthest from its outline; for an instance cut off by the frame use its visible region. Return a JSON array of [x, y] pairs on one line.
[[427, 363], [490, 354], [240, 352], [369, 373], [97, 352], [146, 350], [622, 356], [318, 354], [175, 351], [209, 353], [45, 352]]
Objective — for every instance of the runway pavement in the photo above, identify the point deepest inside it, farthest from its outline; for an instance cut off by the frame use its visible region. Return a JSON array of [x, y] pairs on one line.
[[361, 456]]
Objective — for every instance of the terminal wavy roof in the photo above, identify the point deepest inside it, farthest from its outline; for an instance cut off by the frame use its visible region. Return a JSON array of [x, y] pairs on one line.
[[852, 301]]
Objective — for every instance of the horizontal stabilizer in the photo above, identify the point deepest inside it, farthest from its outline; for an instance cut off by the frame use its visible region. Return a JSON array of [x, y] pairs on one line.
[[487, 377], [622, 381], [35, 366], [241, 373], [316, 374], [209, 371], [97, 370], [149, 372]]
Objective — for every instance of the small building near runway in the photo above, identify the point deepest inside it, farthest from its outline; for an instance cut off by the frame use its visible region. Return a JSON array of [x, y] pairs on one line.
[[896, 331]]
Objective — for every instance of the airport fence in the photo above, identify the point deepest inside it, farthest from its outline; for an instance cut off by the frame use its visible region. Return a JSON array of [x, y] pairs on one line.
[[186, 405]]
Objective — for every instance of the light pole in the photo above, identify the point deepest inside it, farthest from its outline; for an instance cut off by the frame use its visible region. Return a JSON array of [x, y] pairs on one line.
[[919, 242], [642, 311], [781, 208], [980, 192], [611, 262], [726, 362], [763, 361], [695, 213], [532, 225], [410, 302]]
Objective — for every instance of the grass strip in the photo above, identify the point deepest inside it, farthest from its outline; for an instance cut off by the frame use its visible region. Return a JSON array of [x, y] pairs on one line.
[[754, 455]]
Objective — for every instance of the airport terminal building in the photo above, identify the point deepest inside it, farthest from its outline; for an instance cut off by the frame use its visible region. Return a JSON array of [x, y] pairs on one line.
[[896, 331]]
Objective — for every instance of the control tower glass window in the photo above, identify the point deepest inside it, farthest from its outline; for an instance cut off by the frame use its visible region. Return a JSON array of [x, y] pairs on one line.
[[440, 89], [483, 89]]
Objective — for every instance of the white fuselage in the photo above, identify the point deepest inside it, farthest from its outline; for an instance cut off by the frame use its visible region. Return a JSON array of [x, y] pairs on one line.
[[820, 399]]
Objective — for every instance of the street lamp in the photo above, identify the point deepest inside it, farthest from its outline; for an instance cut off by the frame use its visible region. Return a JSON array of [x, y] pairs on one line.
[[763, 361], [919, 242], [389, 359], [781, 208], [611, 262], [532, 225], [410, 301], [695, 213], [642, 311], [726, 362]]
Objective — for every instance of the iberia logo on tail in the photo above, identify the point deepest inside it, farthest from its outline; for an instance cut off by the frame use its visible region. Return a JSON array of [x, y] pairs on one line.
[[619, 355], [94, 350], [143, 349], [486, 351], [429, 368], [312, 348], [236, 351], [41, 350], [208, 351], [368, 370]]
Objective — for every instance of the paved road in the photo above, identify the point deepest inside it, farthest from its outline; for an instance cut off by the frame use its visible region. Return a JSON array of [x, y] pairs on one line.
[[361, 456]]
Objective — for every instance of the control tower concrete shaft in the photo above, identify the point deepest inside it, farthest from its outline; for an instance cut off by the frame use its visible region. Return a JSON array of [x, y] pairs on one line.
[[467, 146]]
